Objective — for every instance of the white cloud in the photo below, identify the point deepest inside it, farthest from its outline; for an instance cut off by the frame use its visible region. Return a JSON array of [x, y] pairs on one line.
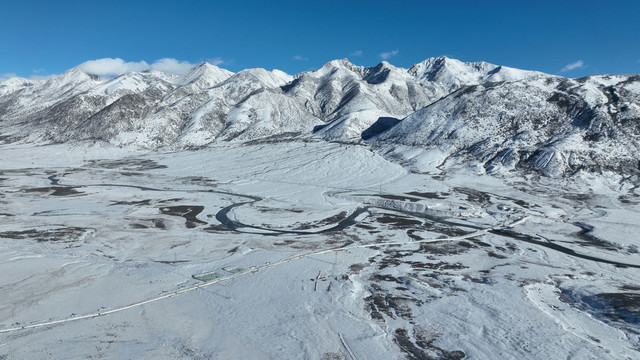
[[110, 66], [387, 55], [117, 66], [300, 58], [7, 76], [33, 77], [172, 66], [575, 65], [37, 75], [357, 53], [215, 61]]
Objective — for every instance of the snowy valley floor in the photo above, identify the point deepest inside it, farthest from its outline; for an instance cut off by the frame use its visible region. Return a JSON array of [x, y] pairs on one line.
[[307, 250]]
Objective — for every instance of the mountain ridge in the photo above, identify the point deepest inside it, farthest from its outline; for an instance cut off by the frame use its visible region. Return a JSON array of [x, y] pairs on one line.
[[499, 117]]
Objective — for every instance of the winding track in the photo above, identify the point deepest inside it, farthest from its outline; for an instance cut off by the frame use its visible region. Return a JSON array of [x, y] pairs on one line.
[[222, 217]]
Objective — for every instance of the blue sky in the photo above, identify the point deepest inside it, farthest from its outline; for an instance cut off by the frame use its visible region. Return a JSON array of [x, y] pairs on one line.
[[569, 38]]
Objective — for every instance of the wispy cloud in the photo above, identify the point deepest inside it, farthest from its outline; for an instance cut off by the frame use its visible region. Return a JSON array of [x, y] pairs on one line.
[[36, 77], [7, 76], [216, 61], [172, 66], [573, 66], [388, 55], [300, 58], [117, 66], [357, 53]]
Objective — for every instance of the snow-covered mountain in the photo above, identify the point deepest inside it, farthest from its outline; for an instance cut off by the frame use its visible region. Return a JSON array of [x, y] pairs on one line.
[[502, 117], [552, 124], [452, 74]]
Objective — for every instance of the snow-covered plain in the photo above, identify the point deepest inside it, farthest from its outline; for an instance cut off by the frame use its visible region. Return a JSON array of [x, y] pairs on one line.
[[312, 250]]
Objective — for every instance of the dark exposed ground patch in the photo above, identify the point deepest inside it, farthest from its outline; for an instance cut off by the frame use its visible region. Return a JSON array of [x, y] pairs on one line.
[[630, 287], [393, 306], [385, 277], [171, 262], [273, 139], [497, 256], [188, 212], [55, 190], [445, 230], [169, 200], [365, 226], [617, 307], [482, 280], [284, 242], [393, 257], [475, 196], [481, 243], [198, 180], [149, 223], [586, 234], [429, 195], [576, 196], [63, 234], [444, 248], [625, 199], [217, 228], [356, 268], [135, 203], [329, 356], [444, 266], [411, 234], [392, 298], [423, 347], [264, 209], [126, 164], [333, 219], [621, 309], [398, 221]]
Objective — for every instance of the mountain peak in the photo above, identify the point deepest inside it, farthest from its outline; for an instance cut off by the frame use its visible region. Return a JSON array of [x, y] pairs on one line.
[[16, 80], [339, 64], [74, 76], [204, 75], [435, 64], [379, 73], [344, 62], [207, 65], [13, 84], [384, 64], [269, 79]]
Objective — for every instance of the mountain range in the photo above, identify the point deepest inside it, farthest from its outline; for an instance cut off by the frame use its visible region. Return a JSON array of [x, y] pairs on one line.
[[443, 110]]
